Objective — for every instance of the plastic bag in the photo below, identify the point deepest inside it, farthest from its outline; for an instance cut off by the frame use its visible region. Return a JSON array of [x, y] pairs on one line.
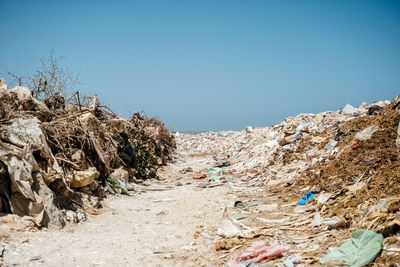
[[304, 199], [362, 248], [366, 133]]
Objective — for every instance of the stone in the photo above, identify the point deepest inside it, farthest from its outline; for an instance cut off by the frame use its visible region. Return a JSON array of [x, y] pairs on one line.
[[84, 178]]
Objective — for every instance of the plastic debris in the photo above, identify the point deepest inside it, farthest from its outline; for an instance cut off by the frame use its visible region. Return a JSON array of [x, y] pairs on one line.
[[374, 110], [350, 110], [118, 186], [239, 204], [291, 261], [121, 174], [362, 248], [230, 228], [331, 144], [322, 198], [214, 171], [272, 220], [317, 220], [191, 246], [24, 136], [304, 126], [366, 133], [259, 251], [304, 199], [56, 150], [239, 217]]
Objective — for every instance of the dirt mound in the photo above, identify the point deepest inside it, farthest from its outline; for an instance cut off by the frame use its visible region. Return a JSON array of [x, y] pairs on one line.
[[374, 163]]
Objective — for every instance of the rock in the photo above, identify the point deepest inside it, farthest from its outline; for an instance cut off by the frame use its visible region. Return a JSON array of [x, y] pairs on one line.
[[84, 178]]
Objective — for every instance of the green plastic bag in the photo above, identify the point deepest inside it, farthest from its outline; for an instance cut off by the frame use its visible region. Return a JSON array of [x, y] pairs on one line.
[[116, 183], [362, 248], [214, 171]]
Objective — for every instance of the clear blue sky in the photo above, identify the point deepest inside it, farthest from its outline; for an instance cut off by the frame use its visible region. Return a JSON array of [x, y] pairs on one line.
[[213, 65]]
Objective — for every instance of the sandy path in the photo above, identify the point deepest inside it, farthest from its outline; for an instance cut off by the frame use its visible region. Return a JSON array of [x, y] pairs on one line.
[[155, 228]]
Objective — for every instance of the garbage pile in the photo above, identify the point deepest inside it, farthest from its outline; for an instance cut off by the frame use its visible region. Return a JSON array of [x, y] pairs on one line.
[[59, 157], [333, 176]]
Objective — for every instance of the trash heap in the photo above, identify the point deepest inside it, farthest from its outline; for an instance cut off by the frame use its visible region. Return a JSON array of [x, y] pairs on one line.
[[333, 177], [59, 157]]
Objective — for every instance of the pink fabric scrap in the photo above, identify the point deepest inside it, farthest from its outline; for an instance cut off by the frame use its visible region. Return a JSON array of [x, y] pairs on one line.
[[259, 251]]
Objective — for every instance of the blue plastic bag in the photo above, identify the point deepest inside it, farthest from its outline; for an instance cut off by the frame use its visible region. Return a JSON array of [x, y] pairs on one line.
[[304, 199]]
